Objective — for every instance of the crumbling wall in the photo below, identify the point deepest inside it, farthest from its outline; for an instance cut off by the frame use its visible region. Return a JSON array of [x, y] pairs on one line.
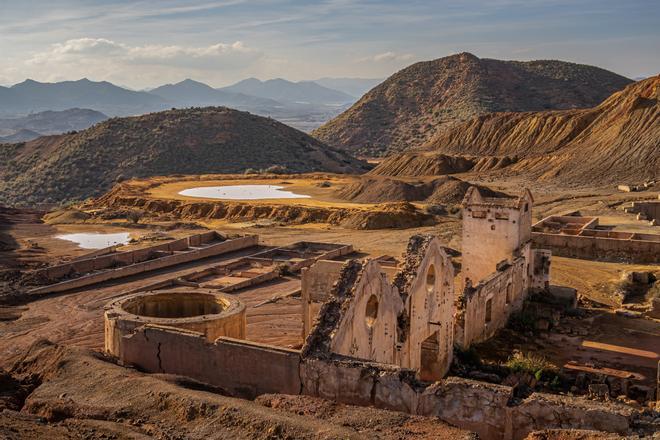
[[316, 285], [360, 383], [367, 327], [426, 332], [488, 409], [546, 411], [408, 322], [649, 210], [246, 369], [477, 406], [485, 308], [539, 267]]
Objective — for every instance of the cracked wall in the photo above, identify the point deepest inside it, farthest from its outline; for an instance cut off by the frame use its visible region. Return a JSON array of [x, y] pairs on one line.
[[408, 322]]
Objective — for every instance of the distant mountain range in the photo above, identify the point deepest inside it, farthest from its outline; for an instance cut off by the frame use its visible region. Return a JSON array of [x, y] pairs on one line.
[[50, 122], [304, 104], [32, 96], [281, 90], [192, 93]]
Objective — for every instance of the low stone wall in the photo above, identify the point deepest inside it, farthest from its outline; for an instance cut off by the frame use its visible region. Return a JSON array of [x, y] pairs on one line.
[[248, 369], [103, 265], [242, 368], [487, 409], [649, 209], [599, 248]]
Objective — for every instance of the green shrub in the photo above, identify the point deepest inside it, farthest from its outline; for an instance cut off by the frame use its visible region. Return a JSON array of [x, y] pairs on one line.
[[535, 365]]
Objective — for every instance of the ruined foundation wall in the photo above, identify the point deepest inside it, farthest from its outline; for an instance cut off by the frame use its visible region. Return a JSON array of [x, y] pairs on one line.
[[651, 209], [133, 262], [482, 407], [597, 248]]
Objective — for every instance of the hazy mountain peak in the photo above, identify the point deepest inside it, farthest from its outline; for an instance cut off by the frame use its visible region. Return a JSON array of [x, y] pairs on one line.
[[282, 90]]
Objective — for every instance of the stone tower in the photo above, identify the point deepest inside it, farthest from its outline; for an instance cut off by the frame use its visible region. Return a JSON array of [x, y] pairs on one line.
[[494, 229]]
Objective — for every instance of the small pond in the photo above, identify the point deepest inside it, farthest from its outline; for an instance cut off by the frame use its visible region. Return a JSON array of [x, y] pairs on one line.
[[94, 240], [242, 192]]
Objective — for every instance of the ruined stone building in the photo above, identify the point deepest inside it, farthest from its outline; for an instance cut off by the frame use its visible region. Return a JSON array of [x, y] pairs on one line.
[[406, 322], [407, 315], [499, 266]]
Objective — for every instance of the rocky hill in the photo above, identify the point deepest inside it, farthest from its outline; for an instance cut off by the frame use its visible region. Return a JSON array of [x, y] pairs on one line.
[[32, 126], [195, 141], [418, 102], [616, 141]]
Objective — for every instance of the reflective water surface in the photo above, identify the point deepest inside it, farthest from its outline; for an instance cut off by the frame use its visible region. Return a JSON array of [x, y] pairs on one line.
[[242, 192], [93, 240]]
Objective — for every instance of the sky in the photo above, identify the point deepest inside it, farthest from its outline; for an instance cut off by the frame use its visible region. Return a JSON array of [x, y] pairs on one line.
[[141, 44]]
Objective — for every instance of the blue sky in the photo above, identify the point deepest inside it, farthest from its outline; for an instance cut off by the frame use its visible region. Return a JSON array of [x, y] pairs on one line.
[[147, 43]]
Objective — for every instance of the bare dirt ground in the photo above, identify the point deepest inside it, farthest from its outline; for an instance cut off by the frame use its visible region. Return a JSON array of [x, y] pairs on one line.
[[79, 394]]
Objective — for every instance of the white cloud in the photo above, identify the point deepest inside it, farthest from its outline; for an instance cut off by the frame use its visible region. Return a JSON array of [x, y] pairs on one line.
[[82, 51], [387, 57]]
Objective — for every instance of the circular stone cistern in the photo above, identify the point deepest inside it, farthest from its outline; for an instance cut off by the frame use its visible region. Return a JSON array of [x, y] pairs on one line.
[[204, 311]]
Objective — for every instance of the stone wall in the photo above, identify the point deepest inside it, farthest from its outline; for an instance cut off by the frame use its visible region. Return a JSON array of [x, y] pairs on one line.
[[493, 230], [242, 368], [490, 410], [650, 210], [367, 328], [600, 248], [486, 307], [104, 268], [406, 322], [539, 268], [246, 369], [426, 282], [316, 285]]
